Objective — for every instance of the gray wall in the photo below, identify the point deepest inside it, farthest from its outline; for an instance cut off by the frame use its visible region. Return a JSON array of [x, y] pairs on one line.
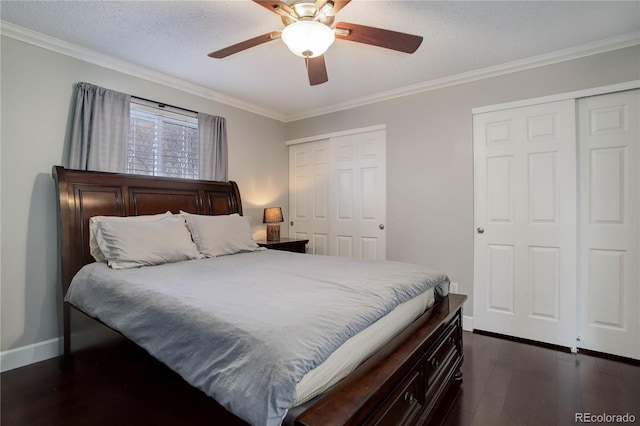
[[430, 154], [36, 87]]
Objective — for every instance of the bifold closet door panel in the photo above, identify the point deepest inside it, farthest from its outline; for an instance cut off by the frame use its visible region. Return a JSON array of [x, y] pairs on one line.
[[610, 231], [309, 168], [525, 259], [358, 188]]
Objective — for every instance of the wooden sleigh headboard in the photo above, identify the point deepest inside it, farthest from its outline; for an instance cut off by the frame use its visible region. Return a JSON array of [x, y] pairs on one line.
[[83, 194]]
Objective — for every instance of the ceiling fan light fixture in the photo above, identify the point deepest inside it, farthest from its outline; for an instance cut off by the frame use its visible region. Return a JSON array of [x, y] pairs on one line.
[[307, 38]]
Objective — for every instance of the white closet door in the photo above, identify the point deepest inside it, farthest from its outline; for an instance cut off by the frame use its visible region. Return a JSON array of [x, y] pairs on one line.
[[610, 230], [337, 194], [358, 189], [309, 194], [525, 212]]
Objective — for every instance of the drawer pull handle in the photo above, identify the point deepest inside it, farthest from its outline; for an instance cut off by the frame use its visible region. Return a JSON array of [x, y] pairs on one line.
[[435, 363], [408, 396]]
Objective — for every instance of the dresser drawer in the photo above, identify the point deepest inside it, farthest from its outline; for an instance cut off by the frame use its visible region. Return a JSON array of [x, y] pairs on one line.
[[440, 358], [403, 403]]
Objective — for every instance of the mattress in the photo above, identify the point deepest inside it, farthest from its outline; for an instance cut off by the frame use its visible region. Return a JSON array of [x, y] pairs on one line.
[[252, 329], [360, 347]]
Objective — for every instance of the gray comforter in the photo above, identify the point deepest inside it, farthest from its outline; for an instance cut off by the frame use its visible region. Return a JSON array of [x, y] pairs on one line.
[[246, 328]]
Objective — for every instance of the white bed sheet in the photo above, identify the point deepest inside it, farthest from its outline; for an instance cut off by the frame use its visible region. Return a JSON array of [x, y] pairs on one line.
[[360, 347]]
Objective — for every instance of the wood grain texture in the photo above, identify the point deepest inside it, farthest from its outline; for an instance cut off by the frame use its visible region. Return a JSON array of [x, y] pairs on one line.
[[317, 70], [402, 42], [244, 45], [273, 5], [516, 383]]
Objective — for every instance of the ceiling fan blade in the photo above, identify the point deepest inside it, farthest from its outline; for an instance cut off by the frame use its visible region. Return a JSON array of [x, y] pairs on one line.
[[339, 4], [394, 40], [274, 5], [244, 45], [317, 70], [336, 5]]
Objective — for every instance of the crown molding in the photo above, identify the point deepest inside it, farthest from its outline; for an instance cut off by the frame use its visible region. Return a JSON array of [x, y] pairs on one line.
[[581, 51], [578, 94], [41, 40], [25, 35]]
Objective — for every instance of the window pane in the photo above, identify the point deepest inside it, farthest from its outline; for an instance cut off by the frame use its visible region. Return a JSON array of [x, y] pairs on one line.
[[162, 145]]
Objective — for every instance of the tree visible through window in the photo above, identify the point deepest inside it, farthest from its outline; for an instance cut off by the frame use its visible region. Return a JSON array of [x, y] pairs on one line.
[[162, 143]]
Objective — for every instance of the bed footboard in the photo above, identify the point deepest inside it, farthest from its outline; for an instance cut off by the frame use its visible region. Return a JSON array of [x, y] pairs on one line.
[[409, 381]]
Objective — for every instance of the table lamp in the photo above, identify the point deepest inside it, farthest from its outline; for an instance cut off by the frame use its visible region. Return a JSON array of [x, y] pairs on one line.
[[272, 217]]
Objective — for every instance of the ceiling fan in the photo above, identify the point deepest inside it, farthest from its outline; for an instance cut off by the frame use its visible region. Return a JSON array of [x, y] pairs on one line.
[[310, 30]]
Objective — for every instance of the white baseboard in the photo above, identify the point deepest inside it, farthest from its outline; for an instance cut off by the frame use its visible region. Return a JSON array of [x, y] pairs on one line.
[[467, 323], [19, 357]]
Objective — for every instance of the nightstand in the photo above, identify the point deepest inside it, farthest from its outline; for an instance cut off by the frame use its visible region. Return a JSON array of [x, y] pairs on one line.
[[286, 244]]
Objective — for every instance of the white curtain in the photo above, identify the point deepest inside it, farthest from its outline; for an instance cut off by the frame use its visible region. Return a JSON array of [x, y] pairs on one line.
[[99, 129], [212, 134]]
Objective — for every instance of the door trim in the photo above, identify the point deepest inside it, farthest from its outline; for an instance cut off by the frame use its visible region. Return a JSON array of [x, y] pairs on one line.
[[336, 134], [602, 90]]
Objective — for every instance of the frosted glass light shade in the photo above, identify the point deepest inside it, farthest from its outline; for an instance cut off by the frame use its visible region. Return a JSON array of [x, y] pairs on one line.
[[308, 39]]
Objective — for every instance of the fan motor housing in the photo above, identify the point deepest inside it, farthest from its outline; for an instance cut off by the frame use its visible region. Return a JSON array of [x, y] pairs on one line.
[[309, 10]]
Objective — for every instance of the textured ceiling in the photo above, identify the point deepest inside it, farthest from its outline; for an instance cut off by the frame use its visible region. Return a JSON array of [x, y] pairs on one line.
[[174, 37]]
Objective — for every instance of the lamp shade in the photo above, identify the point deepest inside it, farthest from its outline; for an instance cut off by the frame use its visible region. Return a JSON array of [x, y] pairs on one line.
[[272, 215], [308, 38]]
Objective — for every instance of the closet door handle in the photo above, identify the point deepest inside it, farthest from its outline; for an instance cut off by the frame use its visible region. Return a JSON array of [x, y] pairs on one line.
[[480, 230], [381, 226]]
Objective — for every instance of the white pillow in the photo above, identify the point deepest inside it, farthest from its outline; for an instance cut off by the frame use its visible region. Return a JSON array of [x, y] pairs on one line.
[[94, 247], [132, 243], [220, 235]]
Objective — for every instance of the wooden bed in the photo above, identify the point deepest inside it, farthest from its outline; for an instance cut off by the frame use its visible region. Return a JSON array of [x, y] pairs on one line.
[[414, 379]]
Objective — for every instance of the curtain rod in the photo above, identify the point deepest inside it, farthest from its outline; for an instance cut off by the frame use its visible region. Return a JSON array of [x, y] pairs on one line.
[[163, 105]]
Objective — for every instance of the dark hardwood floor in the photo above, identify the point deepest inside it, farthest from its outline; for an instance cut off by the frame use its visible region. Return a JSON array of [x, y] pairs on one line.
[[505, 383], [512, 383], [117, 384]]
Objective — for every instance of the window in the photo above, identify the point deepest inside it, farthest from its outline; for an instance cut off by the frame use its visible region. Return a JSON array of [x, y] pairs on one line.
[[162, 142]]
